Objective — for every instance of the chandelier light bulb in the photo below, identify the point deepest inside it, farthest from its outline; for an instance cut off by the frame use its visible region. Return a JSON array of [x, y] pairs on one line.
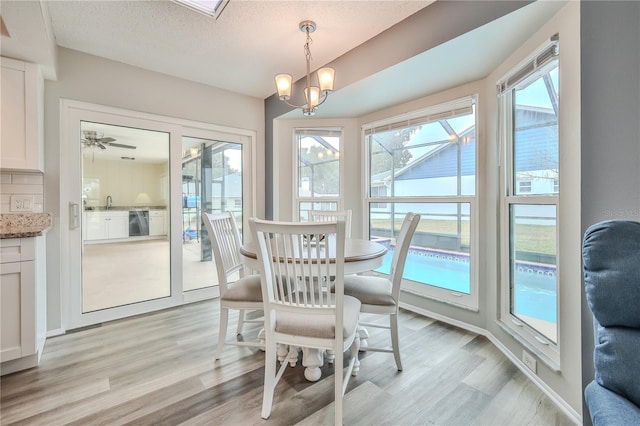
[[325, 78], [283, 84]]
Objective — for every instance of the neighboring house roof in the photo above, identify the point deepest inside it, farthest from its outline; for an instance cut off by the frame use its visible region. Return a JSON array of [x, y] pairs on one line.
[[535, 150], [535, 144]]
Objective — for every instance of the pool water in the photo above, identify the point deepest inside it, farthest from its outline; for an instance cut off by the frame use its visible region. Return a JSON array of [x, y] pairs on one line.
[[535, 292]]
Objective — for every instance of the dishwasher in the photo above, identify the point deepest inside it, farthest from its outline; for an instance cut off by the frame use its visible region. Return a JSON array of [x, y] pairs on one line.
[[138, 223]]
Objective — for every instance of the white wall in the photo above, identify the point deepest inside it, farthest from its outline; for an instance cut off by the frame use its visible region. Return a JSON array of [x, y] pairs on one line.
[[610, 107], [124, 180], [100, 81]]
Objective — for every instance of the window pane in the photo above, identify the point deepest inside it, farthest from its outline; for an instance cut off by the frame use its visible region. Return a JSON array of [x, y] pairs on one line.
[[318, 165], [433, 159], [533, 267], [212, 183], [535, 123], [439, 254]]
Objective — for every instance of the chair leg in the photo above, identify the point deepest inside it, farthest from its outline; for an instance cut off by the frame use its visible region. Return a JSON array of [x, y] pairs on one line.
[[355, 348], [395, 341], [339, 380], [269, 377], [222, 332], [240, 321]]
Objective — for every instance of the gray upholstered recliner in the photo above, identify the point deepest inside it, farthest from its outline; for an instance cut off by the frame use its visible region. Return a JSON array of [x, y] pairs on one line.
[[611, 257]]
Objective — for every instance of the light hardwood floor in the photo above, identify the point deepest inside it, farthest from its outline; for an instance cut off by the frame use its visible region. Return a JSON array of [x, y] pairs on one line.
[[158, 369], [120, 273]]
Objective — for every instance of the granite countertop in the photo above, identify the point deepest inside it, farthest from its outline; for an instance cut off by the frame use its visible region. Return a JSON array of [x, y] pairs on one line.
[[122, 208], [23, 225]]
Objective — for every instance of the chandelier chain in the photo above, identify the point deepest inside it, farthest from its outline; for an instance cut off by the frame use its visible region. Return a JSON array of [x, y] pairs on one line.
[[307, 49]]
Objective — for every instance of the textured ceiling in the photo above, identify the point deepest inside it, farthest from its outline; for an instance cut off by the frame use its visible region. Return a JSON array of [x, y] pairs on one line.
[[251, 42], [254, 40]]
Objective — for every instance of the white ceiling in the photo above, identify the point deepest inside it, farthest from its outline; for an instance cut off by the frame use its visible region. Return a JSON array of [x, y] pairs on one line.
[[242, 51], [150, 146], [255, 39]]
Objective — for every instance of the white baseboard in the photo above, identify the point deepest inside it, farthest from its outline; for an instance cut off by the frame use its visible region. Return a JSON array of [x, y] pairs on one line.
[[553, 396]]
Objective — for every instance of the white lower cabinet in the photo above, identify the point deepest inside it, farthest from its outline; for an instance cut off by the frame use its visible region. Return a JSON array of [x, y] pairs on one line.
[[105, 225], [156, 223], [23, 303]]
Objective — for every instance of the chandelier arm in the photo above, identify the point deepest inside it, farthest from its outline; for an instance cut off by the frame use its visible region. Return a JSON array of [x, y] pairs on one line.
[[321, 100], [294, 105]]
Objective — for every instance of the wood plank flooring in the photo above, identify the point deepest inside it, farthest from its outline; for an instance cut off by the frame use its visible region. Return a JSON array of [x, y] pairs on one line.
[[158, 369]]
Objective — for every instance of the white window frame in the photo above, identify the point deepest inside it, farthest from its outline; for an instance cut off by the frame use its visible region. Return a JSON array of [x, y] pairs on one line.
[[547, 351], [439, 111], [297, 199]]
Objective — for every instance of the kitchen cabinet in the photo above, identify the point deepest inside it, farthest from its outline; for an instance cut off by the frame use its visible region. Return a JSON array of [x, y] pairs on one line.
[[21, 115], [106, 225], [157, 223], [23, 302]]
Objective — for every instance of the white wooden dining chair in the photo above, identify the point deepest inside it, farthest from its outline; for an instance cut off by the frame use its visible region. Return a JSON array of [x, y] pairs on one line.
[[299, 311], [332, 215], [380, 295], [244, 294]]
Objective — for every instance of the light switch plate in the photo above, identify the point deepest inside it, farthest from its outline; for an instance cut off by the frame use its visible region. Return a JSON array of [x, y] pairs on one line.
[[21, 203]]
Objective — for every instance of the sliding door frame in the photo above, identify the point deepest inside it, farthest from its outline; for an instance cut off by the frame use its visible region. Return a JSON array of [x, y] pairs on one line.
[[71, 113]]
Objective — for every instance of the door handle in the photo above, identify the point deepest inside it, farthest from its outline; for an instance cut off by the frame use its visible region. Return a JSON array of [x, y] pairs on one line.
[[74, 216]]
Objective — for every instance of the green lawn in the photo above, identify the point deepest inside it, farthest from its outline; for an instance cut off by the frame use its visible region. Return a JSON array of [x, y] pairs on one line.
[[529, 238]]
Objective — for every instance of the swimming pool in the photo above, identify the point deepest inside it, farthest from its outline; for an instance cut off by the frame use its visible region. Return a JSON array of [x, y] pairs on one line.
[[535, 293]]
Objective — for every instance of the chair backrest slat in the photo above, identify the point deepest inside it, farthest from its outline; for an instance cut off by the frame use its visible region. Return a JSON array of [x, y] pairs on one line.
[[331, 216], [297, 262], [224, 235]]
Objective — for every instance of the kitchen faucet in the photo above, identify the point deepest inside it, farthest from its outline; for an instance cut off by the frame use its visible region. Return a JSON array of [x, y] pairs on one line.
[[109, 202]]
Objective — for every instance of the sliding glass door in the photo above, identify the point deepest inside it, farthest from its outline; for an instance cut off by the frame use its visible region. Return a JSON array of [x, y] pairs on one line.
[[125, 205], [131, 202]]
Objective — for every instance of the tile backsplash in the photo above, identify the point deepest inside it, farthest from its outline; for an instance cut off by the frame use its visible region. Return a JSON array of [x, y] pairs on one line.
[[21, 185]]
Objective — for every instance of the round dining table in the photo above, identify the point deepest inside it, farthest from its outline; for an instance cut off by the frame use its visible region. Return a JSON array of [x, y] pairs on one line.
[[359, 256]]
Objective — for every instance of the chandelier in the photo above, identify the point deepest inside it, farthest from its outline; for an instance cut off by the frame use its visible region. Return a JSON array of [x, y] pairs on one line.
[[314, 95]]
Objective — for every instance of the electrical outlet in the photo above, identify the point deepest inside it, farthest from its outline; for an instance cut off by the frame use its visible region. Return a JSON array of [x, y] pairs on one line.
[[529, 361], [21, 203]]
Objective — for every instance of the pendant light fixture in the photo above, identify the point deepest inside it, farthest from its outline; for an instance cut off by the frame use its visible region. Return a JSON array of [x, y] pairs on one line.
[[314, 95]]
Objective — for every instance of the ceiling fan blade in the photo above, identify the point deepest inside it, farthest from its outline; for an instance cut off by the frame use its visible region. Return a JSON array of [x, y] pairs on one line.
[[119, 145], [101, 146], [105, 140]]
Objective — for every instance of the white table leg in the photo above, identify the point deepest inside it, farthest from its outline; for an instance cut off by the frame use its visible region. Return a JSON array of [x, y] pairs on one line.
[[293, 358], [312, 361], [283, 350]]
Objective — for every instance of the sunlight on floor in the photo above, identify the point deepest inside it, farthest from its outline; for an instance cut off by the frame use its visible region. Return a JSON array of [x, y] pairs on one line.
[[121, 273]]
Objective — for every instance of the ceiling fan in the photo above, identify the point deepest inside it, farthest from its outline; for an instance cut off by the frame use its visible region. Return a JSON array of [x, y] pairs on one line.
[[95, 139]]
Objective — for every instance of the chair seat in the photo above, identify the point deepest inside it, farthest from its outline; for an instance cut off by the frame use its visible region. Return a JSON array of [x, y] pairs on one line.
[[246, 289], [322, 326], [369, 290]]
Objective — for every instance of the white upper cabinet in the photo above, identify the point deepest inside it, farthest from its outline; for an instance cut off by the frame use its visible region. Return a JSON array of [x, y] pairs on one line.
[[21, 118]]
